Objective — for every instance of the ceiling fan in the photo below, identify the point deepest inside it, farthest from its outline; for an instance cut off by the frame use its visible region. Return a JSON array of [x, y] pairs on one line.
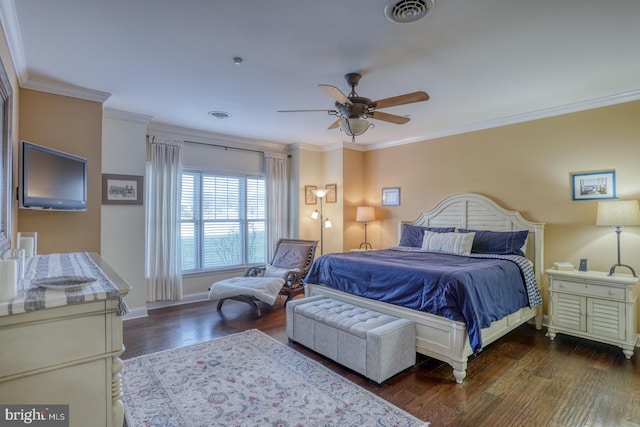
[[353, 110]]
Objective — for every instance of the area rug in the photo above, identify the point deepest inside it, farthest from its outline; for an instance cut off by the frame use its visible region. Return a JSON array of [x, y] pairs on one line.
[[247, 379]]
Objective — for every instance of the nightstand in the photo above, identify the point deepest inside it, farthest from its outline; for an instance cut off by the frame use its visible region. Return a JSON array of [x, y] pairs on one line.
[[594, 305]]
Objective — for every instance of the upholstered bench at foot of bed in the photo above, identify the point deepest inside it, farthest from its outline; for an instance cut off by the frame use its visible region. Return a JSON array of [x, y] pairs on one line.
[[373, 344]]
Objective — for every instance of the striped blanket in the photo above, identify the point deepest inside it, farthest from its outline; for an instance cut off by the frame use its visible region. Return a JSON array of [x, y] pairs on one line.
[[31, 297]]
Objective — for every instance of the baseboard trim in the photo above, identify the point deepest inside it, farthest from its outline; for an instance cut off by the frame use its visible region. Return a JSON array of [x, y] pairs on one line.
[[200, 296], [135, 313], [143, 311]]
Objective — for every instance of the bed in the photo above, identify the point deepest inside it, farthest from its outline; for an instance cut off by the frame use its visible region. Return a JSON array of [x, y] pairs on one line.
[[437, 336]]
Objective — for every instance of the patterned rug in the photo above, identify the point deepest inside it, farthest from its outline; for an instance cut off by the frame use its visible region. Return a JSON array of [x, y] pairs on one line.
[[247, 379]]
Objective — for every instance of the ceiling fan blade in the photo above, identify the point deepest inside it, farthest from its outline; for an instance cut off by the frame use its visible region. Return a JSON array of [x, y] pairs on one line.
[[335, 124], [336, 94], [386, 117], [407, 98], [305, 111]]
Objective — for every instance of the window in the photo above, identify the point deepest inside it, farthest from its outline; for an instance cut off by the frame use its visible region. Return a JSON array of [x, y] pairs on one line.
[[222, 221]]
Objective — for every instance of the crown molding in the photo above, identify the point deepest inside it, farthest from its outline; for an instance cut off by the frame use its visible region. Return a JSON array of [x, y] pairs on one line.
[[126, 115], [355, 147], [575, 107], [11, 27], [67, 90]]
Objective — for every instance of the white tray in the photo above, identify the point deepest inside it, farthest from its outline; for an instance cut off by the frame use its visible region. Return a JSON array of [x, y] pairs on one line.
[[64, 282]]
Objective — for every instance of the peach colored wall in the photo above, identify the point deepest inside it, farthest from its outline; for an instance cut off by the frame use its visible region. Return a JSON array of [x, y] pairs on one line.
[[353, 196], [74, 126], [333, 174], [523, 167], [319, 169]]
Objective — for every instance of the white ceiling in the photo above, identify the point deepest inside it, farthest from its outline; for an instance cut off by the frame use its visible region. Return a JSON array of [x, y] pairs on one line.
[[483, 62]]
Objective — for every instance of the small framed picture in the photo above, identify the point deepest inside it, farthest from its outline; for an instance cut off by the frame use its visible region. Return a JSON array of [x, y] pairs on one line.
[[121, 189], [391, 196], [593, 185], [309, 197], [332, 195]]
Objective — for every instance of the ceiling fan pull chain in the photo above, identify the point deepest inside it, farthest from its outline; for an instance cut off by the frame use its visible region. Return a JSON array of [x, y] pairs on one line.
[[353, 137]]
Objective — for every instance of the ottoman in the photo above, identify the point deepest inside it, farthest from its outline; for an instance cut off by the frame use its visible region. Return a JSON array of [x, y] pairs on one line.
[[373, 344]]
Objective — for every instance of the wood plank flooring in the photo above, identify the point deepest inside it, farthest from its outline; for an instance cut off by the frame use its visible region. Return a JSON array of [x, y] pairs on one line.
[[523, 379]]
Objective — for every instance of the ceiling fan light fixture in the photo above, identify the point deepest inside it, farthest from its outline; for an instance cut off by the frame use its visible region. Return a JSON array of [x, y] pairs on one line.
[[406, 11], [354, 127]]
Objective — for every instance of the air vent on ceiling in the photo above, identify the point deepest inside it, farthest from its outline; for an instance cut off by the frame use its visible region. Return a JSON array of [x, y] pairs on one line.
[[405, 11], [219, 115]]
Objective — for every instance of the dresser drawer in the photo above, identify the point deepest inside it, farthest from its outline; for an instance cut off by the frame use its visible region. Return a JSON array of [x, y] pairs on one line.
[[588, 289], [35, 345]]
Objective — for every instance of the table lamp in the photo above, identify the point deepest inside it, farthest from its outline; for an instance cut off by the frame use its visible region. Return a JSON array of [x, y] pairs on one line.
[[365, 214], [619, 213]]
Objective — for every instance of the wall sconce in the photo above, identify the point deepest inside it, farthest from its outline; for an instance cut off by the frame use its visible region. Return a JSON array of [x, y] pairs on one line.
[[365, 214], [619, 213], [324, 223]]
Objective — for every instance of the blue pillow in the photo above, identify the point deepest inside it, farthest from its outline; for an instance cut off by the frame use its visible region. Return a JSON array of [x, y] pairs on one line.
[[413, 235], [498, 242]]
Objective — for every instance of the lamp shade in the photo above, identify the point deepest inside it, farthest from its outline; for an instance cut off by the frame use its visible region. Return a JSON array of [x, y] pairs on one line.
[[365, 213], [618, 213], [354, 127], [320, 192]]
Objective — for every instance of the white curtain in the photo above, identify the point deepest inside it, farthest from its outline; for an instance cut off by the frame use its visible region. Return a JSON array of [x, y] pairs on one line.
[[163, 258], [277, 185]]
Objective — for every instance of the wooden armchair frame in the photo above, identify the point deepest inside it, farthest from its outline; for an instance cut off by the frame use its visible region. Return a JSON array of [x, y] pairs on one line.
[[293, 284]]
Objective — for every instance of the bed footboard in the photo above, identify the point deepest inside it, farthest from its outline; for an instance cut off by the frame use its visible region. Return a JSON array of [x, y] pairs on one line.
[[437, 337]]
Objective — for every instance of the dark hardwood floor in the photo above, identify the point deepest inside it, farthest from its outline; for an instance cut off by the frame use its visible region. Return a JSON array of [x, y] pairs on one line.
[[524, 379]]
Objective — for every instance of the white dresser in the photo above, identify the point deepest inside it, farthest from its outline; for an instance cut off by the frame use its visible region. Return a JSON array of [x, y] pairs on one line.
[[593, 305], [67, 355]]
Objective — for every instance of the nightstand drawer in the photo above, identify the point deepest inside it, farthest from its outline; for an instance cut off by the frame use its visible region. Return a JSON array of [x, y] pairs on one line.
[[589, 289]]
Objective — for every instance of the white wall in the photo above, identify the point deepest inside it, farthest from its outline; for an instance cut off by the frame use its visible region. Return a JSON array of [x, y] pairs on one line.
[[122, 228]]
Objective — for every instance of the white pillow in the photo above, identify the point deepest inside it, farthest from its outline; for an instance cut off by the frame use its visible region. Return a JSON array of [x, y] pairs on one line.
[[450, 243], [280, 273]]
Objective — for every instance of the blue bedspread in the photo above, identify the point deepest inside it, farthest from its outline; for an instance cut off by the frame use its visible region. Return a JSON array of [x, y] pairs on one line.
[[472, 290]]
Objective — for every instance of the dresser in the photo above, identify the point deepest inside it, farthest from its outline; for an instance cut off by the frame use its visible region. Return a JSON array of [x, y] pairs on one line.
[[68, 353], [594, 305]]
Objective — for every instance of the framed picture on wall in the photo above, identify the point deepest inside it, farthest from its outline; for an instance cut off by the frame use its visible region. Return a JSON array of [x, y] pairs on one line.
[[332, 195], [391, 196], [593, 185], [309, 197], [121, 189]]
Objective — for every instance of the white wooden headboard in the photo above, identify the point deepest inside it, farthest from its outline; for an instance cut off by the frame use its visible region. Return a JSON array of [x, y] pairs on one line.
[[478, 212]]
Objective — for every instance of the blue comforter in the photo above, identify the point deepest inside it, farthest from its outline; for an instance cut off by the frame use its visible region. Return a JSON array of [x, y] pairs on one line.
[[472, 290]]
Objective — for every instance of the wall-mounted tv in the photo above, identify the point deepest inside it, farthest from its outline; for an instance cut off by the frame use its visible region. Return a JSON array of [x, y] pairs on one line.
[[52, 179]]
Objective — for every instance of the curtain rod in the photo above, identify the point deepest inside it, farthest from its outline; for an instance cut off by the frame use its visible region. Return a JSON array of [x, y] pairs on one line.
[[223, 146]]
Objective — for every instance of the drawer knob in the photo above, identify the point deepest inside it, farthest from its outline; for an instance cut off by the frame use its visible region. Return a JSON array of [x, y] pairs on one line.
[[610, 292]]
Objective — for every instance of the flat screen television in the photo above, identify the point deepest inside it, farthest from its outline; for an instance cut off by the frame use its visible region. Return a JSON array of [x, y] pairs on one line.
[[52, 179]]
